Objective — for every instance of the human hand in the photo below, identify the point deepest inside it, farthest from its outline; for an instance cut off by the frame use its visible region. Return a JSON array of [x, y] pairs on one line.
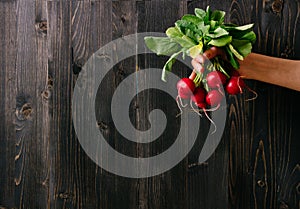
[[257, 67], [198, 61]]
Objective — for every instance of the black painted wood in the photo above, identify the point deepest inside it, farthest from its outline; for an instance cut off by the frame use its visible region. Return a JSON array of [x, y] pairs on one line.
[[44, 45]]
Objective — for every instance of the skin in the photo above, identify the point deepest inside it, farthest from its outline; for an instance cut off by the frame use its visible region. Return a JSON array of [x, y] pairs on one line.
[[277, 71]]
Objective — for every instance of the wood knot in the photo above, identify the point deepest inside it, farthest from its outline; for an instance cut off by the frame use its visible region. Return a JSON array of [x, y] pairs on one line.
[[46, 94], [102, 125], [26, 110], [197, 165], [123, 18], [42, 26], [76, 68], [49, 82], [288, 51], [121, 72], [261, 183], [283, 205], [277, 6], [65, 195]]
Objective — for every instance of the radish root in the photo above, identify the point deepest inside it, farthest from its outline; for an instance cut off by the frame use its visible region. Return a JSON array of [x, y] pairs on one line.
[[181, 103], [213, 109], [221, 92], [254, 92], [178, 104], [210, 121], [238, 83], [249, 89], [196, 111]]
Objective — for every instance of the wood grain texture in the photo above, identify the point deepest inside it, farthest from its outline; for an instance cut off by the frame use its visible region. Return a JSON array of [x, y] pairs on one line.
[[63, 146], [32, 117], [45, 44], [8, 52], [262, 160], [155, 191]]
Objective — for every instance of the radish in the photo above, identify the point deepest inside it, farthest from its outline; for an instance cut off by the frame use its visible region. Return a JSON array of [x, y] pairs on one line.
[[202, 105], [198, 96], [215, 79], [185, 87], [235, 85], [213, 98]]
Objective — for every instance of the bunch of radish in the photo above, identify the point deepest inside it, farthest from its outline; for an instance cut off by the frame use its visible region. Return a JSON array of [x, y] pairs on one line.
[[208, 92], [195, 34]]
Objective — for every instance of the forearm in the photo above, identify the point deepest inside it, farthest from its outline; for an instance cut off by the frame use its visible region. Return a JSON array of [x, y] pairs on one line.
[[282, 72]]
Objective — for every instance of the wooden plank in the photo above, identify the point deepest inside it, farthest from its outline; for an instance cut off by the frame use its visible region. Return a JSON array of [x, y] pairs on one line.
[[124, 19], [63, 145], [32, 116], [198, 196], [91, 29], [7, 103], [168, 190]]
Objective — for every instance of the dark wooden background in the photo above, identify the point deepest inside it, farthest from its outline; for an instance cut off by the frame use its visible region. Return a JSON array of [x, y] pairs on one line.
[[44, 44]]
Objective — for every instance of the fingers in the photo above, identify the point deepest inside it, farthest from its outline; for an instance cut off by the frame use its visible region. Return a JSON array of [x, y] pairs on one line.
[[212, 52], [196, 63]]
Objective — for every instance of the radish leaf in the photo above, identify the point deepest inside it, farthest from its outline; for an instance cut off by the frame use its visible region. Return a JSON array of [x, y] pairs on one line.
[[244, 47], [173, 32], [218, 15], [218, 33], [161, 45], [168, 66], [196, 50], [200, 13], [236, 53], [231, 58], [223, 41]]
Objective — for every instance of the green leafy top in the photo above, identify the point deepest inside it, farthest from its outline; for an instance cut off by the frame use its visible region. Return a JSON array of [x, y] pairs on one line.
[[193, 34]]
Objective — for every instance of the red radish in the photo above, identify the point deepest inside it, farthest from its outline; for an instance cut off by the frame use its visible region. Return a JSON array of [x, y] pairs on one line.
[[202, 105], [213, 98], [185, 87], [199, 99], [198, 95], [215, 79], [235, 85]]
